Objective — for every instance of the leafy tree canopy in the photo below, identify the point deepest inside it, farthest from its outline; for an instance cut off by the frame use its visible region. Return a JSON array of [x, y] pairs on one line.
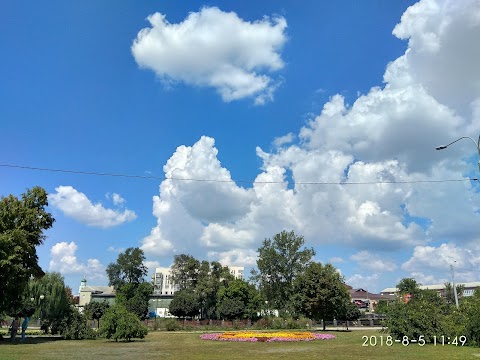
[[95, 310], [185, 271], [22, 223], [322, 293], [126, 275], [280, 261], [128, 269], [184, 304]]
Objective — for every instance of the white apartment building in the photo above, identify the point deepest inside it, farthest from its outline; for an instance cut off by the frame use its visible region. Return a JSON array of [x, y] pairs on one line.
[[163, 284]]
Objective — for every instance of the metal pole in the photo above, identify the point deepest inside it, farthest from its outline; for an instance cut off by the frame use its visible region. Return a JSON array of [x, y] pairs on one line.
[[454, 287]]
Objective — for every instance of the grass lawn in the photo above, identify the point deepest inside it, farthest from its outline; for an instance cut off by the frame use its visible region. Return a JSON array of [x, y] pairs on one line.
[[179, 346]]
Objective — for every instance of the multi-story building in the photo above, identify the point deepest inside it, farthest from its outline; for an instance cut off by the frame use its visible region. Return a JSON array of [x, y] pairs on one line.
[[163, 284], [468, 288]]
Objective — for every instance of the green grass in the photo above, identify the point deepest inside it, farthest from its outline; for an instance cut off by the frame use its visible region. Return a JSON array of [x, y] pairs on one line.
[[175, 345]]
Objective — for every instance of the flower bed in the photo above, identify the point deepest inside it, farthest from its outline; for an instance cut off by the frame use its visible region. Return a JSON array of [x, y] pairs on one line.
[[252, 336]]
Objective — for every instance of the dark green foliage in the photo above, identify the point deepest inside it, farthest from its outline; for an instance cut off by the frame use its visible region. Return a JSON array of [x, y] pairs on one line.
[[321, 293], [211, 278], [185, 271], [408, 286], [118, 324], [449, 293], [75, 327], [184, 304], [135, 298], [22, 223], [239, 300], [95, 310], [280, 261], [128, 269], [126, 275], [425, 314], [471, 310], [231, 308]]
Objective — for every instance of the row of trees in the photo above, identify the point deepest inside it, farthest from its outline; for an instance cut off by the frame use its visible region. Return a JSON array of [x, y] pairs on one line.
[[287, 281]]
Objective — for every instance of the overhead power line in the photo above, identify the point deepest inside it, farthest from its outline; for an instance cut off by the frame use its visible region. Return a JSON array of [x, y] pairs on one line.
[[151, 177]]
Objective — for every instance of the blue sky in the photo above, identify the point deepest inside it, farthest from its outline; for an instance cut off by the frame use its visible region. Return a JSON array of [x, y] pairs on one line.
[[273, 91]]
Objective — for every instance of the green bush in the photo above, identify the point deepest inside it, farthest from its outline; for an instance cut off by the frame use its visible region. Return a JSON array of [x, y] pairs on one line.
[[118, 323], [75, 327], [171, 325]]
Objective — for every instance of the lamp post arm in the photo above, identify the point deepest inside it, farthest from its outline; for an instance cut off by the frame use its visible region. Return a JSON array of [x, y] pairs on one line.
[[477, 144]]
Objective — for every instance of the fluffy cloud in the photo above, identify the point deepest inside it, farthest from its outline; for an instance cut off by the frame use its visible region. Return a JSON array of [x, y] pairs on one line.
[[64, 260], [238, 257], [373, 262], [367, 282], [215, 49], [360, 173], [76, 205], [439, 259]]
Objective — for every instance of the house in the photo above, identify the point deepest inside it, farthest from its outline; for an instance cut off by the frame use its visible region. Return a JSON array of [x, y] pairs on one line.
[[87, 293], [366, 301]]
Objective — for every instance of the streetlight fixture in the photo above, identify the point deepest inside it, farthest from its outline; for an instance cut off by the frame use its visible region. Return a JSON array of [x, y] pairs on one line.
[[477, 145], [41, 297]]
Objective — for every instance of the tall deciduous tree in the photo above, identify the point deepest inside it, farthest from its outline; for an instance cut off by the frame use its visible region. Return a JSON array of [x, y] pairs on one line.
[[128, 269], [126, 275], [22, 223], [185, 271], [280, 261], [211, 278], [321, 293]]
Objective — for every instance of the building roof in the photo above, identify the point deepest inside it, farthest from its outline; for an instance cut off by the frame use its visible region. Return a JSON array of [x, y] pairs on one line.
[[435, 287], [98, 289], [364, 294]]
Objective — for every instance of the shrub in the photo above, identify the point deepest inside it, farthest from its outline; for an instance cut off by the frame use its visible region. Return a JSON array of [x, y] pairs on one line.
[[118, 323], [75, 327], [171, 325]]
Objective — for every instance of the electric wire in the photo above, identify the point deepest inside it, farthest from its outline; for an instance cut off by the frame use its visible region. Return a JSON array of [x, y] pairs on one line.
[[152, 177]]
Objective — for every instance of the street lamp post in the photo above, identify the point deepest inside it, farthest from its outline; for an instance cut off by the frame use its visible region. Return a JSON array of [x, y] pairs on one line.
[[41, 310], [477, 145]]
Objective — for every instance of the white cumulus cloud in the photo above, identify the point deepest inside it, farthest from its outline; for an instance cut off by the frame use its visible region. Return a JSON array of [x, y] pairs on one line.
[[64, 260], [76, 205], [213, 48], [384, 143]]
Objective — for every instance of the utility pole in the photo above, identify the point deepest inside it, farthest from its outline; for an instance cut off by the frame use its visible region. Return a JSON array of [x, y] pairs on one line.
[[454, 287]]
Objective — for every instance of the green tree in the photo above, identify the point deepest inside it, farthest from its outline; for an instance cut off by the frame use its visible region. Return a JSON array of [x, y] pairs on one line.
[[22, 223], [185, 271], [239, 299], [94, 310], [128, 269], [322, 293], [211, 278], [50, 300], [280, 261], [118, 324], [127, 276], [408, 286], [426, 314], [450, 294], [184, 304]]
